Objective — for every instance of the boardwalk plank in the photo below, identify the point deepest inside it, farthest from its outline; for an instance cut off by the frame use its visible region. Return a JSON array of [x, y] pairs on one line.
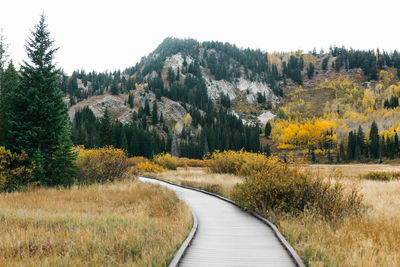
[[228, 236]]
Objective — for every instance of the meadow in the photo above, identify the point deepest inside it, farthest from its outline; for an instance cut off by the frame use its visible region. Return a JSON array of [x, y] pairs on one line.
[[104, 220], [367, 238]]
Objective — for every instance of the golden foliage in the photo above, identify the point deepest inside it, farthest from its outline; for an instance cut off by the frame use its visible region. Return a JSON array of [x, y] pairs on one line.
[[101, 165], [275, 59], [186, 162], [310, 134], [240, 163], [167, 161], [187, 120], [13, 170], [134, 161], [144, 167]]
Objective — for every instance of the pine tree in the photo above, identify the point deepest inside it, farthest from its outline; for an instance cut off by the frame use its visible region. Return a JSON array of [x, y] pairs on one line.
[[351, 146], [9, 83], [106, 131], [63, 168], [37, 114], [146, 107], [155, 113], [268, 129], [114, 88], [310, 71], [144, 122], [124, 141], [178, 77], [381, 147], [3, 56], [374, 140], [130, 100], [360, 140], [161, 118], [313, 157]]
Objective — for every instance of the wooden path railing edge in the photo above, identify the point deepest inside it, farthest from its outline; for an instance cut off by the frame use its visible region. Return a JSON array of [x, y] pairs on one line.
[[293, 254], [181, 251]]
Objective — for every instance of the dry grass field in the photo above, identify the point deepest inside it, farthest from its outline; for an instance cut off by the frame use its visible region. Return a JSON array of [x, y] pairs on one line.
[[370, 239], [199, 177], [351, 171], [127, 223]]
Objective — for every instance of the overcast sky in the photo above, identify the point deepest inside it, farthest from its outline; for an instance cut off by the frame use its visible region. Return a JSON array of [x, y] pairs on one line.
[[109, 35]]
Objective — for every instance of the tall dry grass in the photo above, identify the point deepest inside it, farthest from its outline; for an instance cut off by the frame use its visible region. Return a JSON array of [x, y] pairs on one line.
[[199, 177], [128, 223], [370, 239]]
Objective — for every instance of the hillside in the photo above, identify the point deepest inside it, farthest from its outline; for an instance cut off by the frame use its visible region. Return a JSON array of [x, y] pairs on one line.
[[199, 87]]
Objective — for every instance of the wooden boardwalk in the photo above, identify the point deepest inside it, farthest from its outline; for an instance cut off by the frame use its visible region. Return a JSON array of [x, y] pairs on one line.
[[228, 236]]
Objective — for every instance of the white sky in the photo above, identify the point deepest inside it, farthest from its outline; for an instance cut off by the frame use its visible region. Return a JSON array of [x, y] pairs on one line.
[[107, 35]]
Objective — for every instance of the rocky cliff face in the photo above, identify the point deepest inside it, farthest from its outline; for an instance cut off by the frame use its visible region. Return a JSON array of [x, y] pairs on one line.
[[119, 109]]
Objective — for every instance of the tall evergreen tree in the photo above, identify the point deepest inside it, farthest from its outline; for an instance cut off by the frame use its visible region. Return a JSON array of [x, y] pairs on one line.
[[268, 129], [374, 140], [114, 88], [106, 130], [351, 146], [9, 81], [37, 114], [130, 100], [155, 113], [63, 167], [360, 142], [3, 56], [146, 107], [124, 141]]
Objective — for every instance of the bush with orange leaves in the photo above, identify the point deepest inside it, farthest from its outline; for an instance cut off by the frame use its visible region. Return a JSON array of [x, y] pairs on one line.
[[101, 165], [272, 185], [281, 188], [144, 167], [237, 162], [134, 161], [186, 162], [166, 161], [13, 170]]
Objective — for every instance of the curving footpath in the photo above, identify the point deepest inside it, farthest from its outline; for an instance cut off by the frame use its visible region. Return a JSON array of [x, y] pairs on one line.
[[228, 236]]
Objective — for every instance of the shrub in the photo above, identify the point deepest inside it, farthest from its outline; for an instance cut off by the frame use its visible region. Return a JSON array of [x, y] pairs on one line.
[[226, 161], [381, 176], [281, 188], [149, 167], [166, 160], [134, 161], [237, 162], [186, 162], [101, 165], [13, 170], [212, 188]]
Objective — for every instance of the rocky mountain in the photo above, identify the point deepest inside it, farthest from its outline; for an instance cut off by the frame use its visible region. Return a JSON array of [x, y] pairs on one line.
[[213, 95]]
